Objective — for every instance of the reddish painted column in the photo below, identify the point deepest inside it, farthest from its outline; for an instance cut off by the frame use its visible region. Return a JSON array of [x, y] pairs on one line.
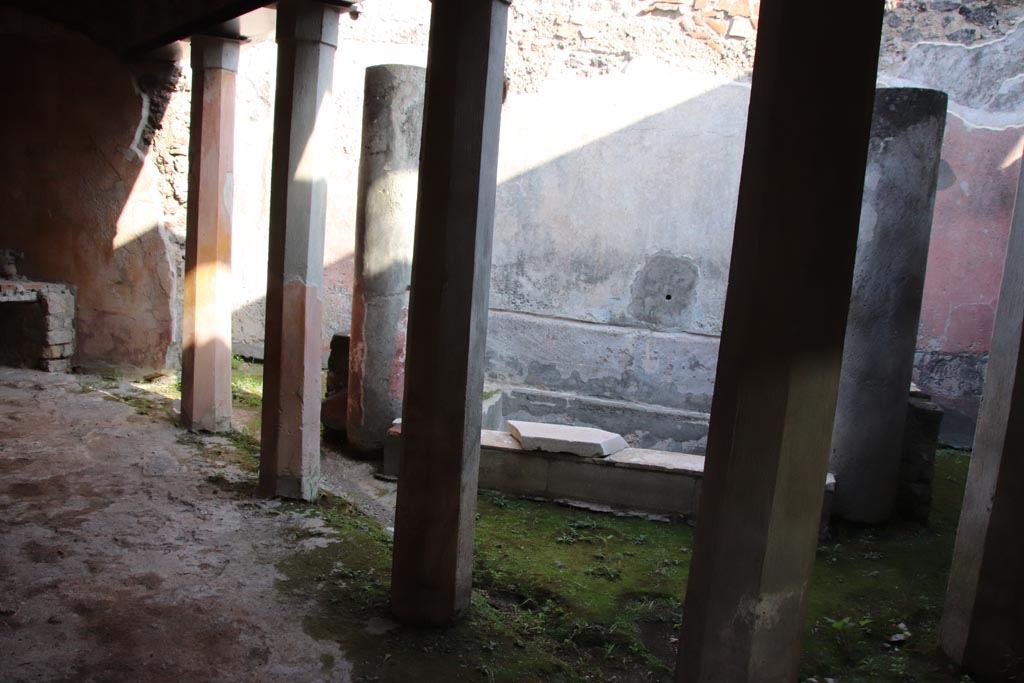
[[983, 619], [206, 323], [307, 35], [431, 576], [782, 343]]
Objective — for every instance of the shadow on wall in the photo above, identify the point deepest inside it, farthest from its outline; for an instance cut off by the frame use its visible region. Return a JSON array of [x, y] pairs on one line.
[[79, 199]]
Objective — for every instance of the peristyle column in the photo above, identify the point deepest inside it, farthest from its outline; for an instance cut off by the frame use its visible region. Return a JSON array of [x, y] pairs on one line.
[[206, 321], [983, 619], [885, 306], [434, 520], [307, 35], [385, 225], [782, 343]]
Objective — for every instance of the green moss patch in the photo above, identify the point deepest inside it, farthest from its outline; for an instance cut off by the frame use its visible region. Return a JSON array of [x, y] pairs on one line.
[[246, 382], [568, 595]]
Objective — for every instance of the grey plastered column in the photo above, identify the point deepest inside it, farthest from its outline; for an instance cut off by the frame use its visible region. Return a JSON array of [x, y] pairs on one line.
[[434, 519], [206, 318], [885, 307], [782, 340], [983, 619], [307, 35], [385, 223]]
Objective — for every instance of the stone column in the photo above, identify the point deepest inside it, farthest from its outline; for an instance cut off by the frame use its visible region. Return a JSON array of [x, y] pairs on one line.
[[307, 35], [885, 308], [983, 619], [782, 343], [385, 222], [434, 520], [206, 322]]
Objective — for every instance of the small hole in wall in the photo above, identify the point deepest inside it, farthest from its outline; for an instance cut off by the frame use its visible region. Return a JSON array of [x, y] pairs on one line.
[[668, 297]]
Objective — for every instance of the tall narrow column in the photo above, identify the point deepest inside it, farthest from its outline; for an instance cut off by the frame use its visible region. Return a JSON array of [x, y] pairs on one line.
[[434, 520], [888, 282], [307, 35], [782, 342], [385, 222], [206, 322], [983, 620]]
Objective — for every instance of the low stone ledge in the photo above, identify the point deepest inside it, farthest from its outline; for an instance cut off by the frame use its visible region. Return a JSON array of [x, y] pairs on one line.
[[632, 480]]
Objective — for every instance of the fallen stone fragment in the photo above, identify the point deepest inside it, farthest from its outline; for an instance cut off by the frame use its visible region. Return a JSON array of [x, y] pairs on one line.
[[583, 441]]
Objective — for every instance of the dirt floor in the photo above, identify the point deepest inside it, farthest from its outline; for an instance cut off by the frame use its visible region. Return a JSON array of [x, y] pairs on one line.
[[123, 557]]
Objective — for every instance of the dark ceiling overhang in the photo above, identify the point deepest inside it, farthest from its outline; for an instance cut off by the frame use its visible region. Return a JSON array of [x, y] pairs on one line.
[[136, 27]]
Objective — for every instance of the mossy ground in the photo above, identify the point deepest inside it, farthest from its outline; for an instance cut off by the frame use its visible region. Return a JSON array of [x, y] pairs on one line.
[[566, 595]]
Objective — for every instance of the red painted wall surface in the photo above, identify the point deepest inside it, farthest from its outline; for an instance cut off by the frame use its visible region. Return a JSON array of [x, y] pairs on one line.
[[969, 233], [76, 196], [973, 210]]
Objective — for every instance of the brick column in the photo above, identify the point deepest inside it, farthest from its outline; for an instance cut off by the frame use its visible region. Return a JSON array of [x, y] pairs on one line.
[[983, 619], [307, 35], [433, 558], [782, 343], [206, 323]]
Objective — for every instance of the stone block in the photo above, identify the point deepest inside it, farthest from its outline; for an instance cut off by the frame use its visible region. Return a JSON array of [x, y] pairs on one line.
[[584, 441], [59, 303], [62, 335], [56, 323], [55, 351], [741, 28], [56, 365]]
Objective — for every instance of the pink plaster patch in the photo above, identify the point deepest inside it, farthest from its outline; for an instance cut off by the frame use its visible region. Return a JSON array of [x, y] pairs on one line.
[[969, 235], [357, 354], [398, 366]]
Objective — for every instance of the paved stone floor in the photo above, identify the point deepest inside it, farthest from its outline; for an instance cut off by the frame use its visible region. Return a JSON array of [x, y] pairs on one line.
[[121, 561]]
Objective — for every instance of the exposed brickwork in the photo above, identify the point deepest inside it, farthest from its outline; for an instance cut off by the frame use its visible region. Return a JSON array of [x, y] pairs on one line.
[[38, 325]]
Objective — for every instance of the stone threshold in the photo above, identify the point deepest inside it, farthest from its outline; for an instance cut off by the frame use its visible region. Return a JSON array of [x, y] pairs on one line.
[[634, 480]]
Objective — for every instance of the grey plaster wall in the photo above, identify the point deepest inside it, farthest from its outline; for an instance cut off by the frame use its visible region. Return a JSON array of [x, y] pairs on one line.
[[612, 242], [617, 198]]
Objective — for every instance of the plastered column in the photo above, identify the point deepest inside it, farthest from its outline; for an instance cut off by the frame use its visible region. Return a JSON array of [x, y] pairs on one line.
[[385, 225], [431, 577], [885, 307], [206, 320], [983, 620], [307, 36], [782, 342]]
